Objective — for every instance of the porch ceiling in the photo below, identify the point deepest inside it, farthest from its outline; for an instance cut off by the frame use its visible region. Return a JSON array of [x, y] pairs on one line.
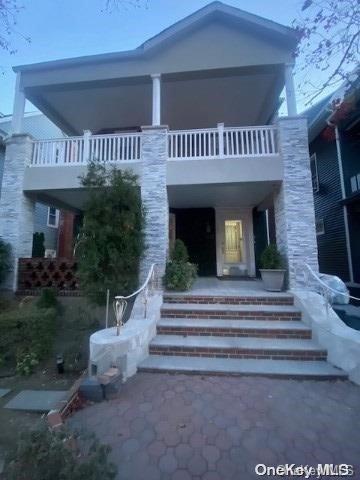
[[247, 194], [241, 96]]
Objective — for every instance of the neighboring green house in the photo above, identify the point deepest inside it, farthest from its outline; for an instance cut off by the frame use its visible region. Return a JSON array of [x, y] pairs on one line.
[[46, 218], [334, 143]]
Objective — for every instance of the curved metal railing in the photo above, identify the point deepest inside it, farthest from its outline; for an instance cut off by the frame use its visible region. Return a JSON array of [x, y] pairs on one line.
[[323, 287], [120, 302]]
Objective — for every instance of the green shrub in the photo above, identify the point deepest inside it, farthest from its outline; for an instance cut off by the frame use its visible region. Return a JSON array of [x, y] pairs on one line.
[[5, 259], [38, 248], [26, 330], [47, 299], [180, 274], [179, 252], [111, 241], [271, 258], [45, 454], [26, 363]]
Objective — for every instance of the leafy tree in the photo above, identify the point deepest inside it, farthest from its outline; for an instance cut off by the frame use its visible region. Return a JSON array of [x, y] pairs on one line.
[[111, 240], [330, 43]]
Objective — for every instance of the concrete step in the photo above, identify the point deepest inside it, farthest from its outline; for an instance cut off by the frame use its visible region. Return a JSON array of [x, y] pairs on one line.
[[255, 299], [237, 347], [219, 311], [230, 366], [233, 328]]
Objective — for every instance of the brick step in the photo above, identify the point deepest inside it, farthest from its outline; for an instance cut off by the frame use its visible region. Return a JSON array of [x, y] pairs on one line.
[[233, 328], [276, 299], [237, 347], [233, 366], [244, 312]]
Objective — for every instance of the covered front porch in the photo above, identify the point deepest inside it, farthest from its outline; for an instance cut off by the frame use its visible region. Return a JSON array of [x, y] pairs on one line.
[[212, 286], [225, 227]]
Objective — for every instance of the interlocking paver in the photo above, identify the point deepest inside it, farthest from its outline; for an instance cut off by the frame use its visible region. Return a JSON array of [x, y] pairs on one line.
[[178, 427]]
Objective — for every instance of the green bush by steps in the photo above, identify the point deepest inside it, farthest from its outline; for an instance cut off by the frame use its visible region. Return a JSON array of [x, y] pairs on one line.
[[26, 336], [180, 274]]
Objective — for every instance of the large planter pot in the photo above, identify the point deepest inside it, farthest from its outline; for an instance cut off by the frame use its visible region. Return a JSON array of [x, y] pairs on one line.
[[273, 279]]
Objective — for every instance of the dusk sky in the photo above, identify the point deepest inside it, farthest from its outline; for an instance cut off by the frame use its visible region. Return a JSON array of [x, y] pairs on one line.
[[70, 28]]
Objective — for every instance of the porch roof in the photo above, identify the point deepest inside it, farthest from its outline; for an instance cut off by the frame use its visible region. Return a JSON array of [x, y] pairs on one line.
[[262, 25], [220, 64]]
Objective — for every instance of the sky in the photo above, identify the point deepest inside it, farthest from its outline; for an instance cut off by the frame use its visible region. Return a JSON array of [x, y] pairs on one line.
[[70, 28]]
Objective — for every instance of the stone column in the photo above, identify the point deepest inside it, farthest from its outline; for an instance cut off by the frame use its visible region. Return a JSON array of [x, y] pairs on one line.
[[294, 201], [16, 209], [154, 150]]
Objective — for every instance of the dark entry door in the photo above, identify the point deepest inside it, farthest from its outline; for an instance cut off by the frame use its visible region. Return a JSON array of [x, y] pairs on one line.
[[196, 228]]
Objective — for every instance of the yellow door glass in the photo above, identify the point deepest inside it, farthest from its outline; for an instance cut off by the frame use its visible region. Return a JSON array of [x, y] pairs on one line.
[[234, 244]]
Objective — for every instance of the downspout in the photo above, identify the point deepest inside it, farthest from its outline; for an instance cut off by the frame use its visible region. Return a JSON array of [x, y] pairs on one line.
[[343, 196]]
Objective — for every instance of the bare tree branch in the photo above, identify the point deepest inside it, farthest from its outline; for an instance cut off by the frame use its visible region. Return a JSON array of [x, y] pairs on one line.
[[330, 44]]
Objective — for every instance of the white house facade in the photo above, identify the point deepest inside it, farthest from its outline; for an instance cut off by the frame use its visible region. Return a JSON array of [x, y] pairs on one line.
[[193, 112]]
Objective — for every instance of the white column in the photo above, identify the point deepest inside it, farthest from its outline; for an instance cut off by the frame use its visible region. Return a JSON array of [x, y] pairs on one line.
[[156, 99], [19, 106], [86, 154], [290, 90]]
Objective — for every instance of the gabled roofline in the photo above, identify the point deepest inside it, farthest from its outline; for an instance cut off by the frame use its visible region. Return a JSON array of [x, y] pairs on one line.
[[170, 32], [219, 7]]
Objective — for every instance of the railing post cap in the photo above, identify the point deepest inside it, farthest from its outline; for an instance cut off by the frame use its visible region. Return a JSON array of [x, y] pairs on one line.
[[146, 128]]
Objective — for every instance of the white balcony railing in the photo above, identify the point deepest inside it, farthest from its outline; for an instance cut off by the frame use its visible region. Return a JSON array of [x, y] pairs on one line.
[[183, 144], [78, 150], [222, 142]]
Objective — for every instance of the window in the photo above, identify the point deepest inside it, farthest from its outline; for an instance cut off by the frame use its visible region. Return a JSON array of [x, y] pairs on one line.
[[53, 217], [355, 183], [314, 173], [319, 225]]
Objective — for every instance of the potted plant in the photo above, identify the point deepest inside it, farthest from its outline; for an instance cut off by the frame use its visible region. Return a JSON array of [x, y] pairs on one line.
[[272, 273]]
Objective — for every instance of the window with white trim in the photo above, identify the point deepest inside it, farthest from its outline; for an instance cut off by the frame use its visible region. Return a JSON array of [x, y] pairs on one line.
[[314, 173], [320, 227], [53, 217], [355, 183]]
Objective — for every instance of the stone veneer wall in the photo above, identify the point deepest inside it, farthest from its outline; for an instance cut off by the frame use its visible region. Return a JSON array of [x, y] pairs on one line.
[[16, 209], [294, 201], [154, 197]]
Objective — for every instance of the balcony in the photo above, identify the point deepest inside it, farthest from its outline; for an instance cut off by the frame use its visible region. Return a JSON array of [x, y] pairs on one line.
[[213, 143]]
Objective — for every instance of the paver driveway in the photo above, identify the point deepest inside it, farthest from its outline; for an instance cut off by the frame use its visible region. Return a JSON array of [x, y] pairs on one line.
[[180, 427]]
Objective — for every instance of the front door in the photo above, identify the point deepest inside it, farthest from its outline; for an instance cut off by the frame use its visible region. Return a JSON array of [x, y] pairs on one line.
[[234, 243], [234, 259]]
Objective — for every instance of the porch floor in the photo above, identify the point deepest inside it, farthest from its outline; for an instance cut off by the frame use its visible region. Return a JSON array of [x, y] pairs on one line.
[[214, 287]]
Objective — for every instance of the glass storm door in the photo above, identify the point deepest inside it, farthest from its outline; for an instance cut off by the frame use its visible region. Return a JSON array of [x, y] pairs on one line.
[[233, 247]]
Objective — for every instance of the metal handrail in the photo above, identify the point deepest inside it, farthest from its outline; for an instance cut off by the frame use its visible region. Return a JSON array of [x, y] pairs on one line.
[[120, 302], [326, 287]]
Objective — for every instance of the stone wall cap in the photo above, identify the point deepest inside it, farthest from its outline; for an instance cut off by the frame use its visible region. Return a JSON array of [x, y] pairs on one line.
[[154, 127], [17, 136]]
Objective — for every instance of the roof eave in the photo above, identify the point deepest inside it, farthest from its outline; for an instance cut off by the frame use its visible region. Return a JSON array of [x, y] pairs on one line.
[[173, 30]]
